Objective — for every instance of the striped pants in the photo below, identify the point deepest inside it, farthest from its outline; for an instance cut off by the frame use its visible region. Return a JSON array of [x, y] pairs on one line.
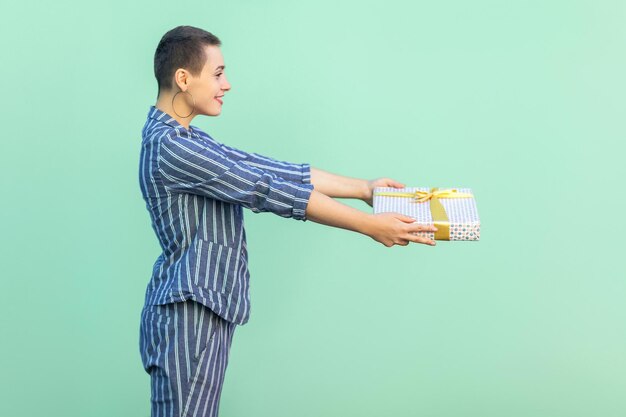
[[184, 347]]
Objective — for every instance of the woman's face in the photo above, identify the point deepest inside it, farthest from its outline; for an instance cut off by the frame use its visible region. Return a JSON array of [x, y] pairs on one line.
[[209, 88]]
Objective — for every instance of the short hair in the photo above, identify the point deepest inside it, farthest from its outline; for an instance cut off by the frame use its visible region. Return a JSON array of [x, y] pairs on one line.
[[181, 47]]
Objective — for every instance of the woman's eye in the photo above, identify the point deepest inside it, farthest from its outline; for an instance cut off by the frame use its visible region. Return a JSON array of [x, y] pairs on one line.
[[219, 74]]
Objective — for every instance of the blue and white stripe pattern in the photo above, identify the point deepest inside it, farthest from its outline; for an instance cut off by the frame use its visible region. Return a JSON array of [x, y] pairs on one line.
[[185, 348], [195, 188]]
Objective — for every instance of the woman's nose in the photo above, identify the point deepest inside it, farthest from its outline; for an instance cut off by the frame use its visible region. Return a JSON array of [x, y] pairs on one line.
[[225, 84]]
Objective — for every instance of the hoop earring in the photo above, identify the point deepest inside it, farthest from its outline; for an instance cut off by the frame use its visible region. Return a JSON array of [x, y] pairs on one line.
[[194, 104]]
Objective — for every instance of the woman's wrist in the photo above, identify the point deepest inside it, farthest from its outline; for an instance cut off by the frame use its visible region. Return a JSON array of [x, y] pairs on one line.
[[365, 192], [367, 224]]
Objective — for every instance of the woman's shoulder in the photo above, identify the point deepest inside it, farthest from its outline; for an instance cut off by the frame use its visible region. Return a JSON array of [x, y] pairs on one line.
[[203, 135]]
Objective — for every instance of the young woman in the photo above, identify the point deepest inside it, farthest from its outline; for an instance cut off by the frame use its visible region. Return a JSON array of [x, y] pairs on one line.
[[195, 189]]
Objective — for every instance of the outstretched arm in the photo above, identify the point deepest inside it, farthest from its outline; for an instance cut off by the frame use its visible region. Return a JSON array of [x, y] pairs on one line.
[[334, 185], [387, 228], [190, 166]]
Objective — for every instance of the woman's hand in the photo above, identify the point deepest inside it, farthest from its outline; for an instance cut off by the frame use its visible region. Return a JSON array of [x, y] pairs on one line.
[[378, 182], [397, 229]]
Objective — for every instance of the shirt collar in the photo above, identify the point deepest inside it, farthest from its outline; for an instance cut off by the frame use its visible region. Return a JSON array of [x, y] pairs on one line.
[[161, 116]]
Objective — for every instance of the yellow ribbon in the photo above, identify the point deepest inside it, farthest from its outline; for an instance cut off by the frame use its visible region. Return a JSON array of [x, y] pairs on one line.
[[438, 213]]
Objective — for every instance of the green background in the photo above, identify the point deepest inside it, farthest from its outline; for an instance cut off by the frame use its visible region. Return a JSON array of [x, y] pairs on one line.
[[521, 101]]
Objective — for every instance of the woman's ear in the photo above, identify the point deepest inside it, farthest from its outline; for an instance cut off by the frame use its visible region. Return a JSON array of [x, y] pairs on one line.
[[181, 78]]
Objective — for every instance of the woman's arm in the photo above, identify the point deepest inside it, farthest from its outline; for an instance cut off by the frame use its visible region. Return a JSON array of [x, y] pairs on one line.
[[387, 228], [334, 185], [295, 172]]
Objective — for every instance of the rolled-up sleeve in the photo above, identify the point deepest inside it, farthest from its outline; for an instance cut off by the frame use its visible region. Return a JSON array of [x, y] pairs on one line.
[[188, 165], [295, 172]]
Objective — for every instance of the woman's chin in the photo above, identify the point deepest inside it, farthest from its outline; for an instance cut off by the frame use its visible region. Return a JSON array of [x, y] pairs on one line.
[[212, 112]]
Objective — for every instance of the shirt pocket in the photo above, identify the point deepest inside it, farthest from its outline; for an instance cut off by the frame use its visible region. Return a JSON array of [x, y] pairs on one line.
[[216, 265], [168, 330]]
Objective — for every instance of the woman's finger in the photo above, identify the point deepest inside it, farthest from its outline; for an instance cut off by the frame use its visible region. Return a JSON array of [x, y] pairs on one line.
[[406, 219], [416, 227], [420, 239], [396, 184]]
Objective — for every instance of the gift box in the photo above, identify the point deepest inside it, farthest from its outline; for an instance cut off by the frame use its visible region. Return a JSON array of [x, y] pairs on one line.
[[451, 210]]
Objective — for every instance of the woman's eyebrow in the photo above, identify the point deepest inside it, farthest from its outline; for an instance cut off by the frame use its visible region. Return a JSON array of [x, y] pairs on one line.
[[220, 67]]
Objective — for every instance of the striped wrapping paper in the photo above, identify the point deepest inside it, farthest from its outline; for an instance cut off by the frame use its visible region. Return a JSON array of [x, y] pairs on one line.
[[462, 212]]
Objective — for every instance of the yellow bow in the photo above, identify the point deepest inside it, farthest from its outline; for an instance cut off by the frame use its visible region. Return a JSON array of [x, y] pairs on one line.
[[438, 213]]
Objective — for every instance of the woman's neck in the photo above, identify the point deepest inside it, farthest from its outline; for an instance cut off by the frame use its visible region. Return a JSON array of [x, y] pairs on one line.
[[164, 103]]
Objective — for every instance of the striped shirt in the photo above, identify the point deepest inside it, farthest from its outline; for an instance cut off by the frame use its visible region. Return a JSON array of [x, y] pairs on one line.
[[194, 188]]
